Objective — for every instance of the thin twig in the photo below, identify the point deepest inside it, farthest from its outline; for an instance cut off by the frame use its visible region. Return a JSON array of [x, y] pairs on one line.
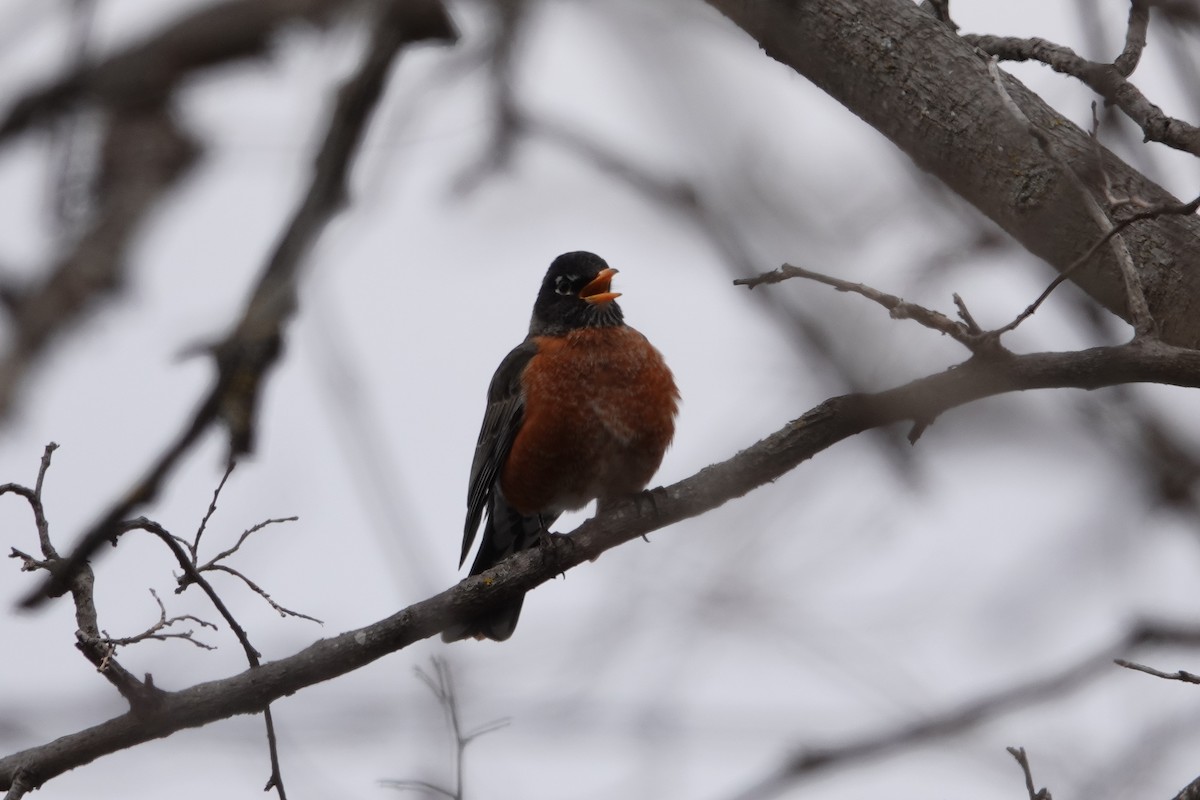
[[194, 547], [1180, 675], [1139, 309], [243, 537], [254, 587], [155, 631], [1161, 210], [1034, 793], [181, 556], [441, 683], [896, 306], [275, 780], [88, 637]]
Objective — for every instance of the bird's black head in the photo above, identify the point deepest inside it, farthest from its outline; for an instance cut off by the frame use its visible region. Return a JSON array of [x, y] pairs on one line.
[[575, 294]]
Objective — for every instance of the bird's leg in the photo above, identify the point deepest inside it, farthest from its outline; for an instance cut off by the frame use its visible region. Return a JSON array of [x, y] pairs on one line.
[[543, 531], [547, 539], [649, 497]]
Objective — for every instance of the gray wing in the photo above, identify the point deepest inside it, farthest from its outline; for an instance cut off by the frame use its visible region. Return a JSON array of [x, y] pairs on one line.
[[501, 421]]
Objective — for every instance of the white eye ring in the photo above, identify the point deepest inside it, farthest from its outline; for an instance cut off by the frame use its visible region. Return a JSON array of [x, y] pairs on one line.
[[562, 284]]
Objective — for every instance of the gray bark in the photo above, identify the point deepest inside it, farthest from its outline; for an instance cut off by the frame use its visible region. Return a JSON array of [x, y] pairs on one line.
[[915, 81]]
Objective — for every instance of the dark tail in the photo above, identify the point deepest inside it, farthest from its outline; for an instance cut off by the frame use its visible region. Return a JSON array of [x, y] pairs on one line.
[[505, 532]]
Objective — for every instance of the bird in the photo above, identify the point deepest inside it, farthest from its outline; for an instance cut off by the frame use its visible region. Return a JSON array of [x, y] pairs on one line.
[[583, 409]]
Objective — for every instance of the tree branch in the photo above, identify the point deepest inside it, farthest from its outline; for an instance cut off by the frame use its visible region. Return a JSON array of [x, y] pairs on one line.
[[1022, 759], [959, 131], [820, 428], [1107, 80], [95, 645]]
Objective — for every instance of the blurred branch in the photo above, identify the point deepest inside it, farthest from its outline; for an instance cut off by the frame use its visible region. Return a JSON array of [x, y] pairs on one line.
[[143, 153], [144, 75], [247, 353], [73, 171], [441, 683], [834, 420], [808, 762]]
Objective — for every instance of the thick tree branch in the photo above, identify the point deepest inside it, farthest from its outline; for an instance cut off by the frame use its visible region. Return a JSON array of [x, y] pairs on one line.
[[820, 428], [1138, 312], [912, 79]]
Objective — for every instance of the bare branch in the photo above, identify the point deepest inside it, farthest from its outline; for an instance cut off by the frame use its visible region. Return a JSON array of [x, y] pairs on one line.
[[181, 556], [254, 587], [246, 534], [88, 638], [1135, 38], [1186, 677], [901, 61], [1139, 309], [898, 307], [1107, 80], [21, 785], [156, 631], [820, 428], [1166, 209], [1034, 793], [194, 546]]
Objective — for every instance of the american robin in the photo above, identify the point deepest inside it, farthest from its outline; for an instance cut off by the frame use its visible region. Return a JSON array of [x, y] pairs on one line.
[[582, 410]]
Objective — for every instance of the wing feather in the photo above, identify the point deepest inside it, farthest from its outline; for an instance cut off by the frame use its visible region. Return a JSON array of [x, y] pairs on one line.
[[501, 421]]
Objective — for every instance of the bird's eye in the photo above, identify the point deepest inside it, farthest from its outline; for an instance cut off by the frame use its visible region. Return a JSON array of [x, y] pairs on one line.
[[563, 283]]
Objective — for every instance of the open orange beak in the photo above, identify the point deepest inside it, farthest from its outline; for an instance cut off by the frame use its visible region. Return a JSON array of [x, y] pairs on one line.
[[598, 290]]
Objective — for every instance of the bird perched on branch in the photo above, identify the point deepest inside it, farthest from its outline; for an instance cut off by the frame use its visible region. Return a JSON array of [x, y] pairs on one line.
[[582, 410]]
